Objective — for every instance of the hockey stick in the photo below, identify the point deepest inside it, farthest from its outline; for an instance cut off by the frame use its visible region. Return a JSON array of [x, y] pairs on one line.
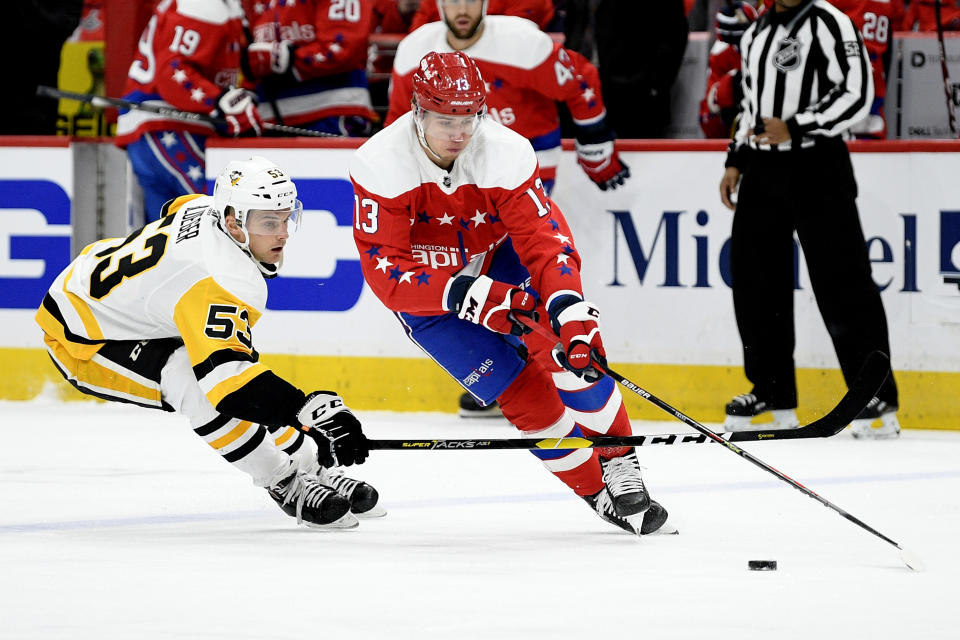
[[943, 68], [869, 379], [170, 112], [579, 442], [866, 385]]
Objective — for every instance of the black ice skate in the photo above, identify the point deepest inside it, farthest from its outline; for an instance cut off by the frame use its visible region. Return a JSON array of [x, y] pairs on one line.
[[470, 408], [653, 520], [624, 483], [876, 409], [362, 496], [303, 496], [744, 408]]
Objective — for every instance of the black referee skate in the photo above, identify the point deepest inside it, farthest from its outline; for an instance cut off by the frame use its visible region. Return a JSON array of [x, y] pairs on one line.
[[303, 496], [745, 407], [876, 409], [470, 408], [624, 483], [362, 496]]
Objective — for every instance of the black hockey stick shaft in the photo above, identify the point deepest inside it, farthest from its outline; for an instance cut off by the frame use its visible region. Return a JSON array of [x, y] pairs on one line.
[[579, 442], [737, 450], [170, 112], [943, 67]]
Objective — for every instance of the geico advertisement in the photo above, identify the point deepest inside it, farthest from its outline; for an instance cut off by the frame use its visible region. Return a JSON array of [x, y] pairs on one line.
[[36, 185], [655, 260]]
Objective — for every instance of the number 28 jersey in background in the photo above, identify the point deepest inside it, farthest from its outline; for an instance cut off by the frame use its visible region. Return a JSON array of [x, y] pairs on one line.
[[182, 277]]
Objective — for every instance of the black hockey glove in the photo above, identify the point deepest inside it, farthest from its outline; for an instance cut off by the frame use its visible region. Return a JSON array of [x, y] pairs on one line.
[[339, 437]]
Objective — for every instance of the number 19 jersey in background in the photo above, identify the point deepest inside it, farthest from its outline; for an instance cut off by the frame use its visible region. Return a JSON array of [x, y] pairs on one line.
[[179, 277]]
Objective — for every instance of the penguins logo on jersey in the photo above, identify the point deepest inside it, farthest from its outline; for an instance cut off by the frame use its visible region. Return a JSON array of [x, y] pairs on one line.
[[787, 57]]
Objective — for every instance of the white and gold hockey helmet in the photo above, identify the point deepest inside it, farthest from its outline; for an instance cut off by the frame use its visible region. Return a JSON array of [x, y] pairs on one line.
[[255, 191]]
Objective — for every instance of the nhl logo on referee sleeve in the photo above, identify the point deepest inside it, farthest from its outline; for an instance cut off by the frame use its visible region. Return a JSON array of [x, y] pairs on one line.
[[787, 57], [851, 48]]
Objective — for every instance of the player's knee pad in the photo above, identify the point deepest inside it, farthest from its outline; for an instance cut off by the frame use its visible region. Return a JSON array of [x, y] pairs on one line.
[[597, 406]]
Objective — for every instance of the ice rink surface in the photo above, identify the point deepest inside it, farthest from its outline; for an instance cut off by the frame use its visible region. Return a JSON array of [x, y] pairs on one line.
[[118, 522]]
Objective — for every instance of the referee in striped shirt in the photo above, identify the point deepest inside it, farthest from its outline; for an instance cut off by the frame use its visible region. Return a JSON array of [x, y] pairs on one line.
[[806, 80]]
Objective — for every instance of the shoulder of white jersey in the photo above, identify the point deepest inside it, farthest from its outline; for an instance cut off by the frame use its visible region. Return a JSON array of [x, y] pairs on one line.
[[385, 164], [500, 157], [227, 263], [217, 13], [513, 41], [418, 43]]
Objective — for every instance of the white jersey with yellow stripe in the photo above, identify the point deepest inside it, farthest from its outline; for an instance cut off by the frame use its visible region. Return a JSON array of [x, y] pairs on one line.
[[180, 276]]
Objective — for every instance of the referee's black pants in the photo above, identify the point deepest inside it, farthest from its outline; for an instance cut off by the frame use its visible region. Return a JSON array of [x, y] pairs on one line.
[[810, 191]]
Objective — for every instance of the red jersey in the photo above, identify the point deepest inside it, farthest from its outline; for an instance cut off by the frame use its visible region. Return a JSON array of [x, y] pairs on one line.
[[876, 20], [525, 73], [328, 65], [188, 54], [921, 15], [388, 19], [417, 225], [539, 11], [721, 101]]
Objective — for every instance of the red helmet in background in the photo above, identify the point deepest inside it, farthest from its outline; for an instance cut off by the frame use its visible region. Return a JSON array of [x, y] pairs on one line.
[[449, 83]]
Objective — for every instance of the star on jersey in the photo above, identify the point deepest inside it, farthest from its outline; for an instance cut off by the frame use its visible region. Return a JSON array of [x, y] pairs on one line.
[[562, 238], [259, 7], [553, 223], [424, 217], [423, 278], [406, 277], [168, 139], [195, 172], [197, 95], [565, 270], [588, 94], [478, 219], [382, 264], [465, 223], [395, 273], [446, 219], [179, 76], [562, 257], [373, 252]]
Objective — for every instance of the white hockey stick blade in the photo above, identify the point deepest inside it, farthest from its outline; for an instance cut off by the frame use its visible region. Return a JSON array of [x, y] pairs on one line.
[[912, 560]]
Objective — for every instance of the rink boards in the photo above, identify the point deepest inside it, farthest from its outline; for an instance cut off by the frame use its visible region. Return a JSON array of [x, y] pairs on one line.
[[655, 261]]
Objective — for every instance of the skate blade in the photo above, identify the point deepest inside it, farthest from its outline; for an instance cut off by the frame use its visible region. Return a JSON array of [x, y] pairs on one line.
[[346, 521], [666, 529], [889, 428], [376, 512]]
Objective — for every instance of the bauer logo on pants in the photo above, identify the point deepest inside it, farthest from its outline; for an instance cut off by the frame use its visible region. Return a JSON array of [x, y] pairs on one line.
[[950, 243]]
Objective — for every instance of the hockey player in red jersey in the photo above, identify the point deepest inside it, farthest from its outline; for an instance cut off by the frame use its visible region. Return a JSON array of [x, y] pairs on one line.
[[310, 60], [526, 73], [721, 103], [188, 58], [876, 20], [163, 319], [458, 237]]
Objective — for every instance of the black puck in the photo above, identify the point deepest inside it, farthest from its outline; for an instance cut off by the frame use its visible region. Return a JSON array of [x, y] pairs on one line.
[[762, 565]]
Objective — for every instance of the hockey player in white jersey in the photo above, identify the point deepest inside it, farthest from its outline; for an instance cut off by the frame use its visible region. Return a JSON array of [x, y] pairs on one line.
[[163, 319]]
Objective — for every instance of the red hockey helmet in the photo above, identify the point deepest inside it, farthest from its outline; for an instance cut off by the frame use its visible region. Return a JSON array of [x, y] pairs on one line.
[[449, 83]]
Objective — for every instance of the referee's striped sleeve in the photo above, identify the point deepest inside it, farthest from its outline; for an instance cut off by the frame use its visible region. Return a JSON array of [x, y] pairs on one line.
[[848, 69]]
